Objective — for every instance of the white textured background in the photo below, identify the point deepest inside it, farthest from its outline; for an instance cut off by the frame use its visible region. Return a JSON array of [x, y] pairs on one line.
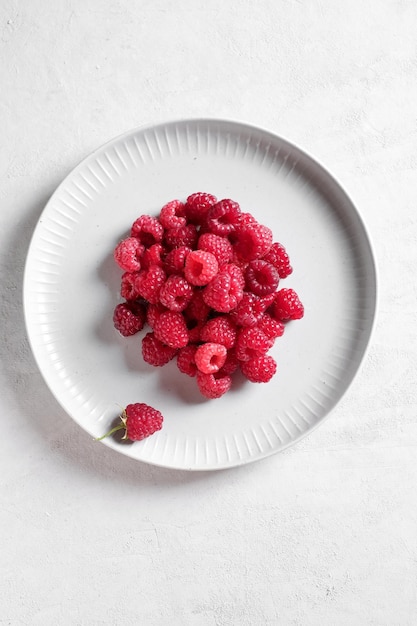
[[323, 534]]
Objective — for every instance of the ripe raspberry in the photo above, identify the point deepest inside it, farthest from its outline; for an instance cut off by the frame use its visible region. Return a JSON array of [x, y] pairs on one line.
[[148, 230], [230, 365], [175, 260], [223, 217], [200, 267], [194, 329], [247, 218], [210, 357], [261, 277], [287, 306], [197, 206], [175, 293], [128, 288], [212, 387], [153, 256], [278, 256], [172, 214], [219, 330], [129, 318], [225, 290], [171, 329], [249, 310], [271, 327], [197, 310], [185, 360], [260, 369], [251, 342], [138, 421], [127, 254], [183, 236], [149, 283], [252, 241], [155, 352], [220, 247], [153, 312]]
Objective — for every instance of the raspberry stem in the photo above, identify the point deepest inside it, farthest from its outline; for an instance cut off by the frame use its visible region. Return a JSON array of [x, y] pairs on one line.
[[113, 430]]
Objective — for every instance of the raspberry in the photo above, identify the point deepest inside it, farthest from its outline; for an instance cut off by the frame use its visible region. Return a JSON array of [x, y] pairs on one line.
[[249, 310], [260, 369], [185, 360], [153, 312], [278, 256], [210, 357], [155, 352], [128, 288], [225, 290], [170, 328], [127, 254], [148, 230], [220, 247], [200, 267], [149, 283], [175, 260], [153, 256], [261, 277], [138, 421], [172, 214], [197, 310], [271, 327], [287, 306], [212, 387], [230, 365], [183, 236], [194, 329], [129, 318], [175, 293], [198, 205], [247, 218], [219, 330], [223, 217], [252, 241], [252, 342]]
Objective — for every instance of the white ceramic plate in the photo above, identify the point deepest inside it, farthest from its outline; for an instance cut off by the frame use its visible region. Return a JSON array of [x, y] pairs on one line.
[[72, 286]]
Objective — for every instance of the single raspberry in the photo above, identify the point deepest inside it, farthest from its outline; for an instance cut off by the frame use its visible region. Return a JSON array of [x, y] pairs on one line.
[[278, 256], [260, 369], [171, 329], [220, 247], [127, 254], [249, 310], [270, 326], [247, 218], [155, 352], [200, 267], [252, 241], [149, 283], [148, 230], [153, 312], [230, 365], [210, 357], [251, 342], [222, 217], [185, 360], [153, 256], [287, 306], [175, 293], [138, 421], [175, 260], [219, 330], [261, 277], [183, 236], [197, 206], [212, 387], [225, 290], [172, 214], [197, 310], [128, 288], [129, 318]]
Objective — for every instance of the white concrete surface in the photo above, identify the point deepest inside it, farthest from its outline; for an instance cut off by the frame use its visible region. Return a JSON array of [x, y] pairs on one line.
[[323, 534]]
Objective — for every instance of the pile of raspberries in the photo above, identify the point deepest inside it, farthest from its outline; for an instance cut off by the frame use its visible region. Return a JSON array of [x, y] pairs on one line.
[[204, 277]]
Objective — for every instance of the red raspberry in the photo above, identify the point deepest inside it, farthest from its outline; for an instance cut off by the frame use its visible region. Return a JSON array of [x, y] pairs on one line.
[[129, 318], [260, 369], [197, 206], [153, 256], [155, 352], [223, 217], [197, 310], [127, 254], [261, 277], [219, 330], [278, 256], [247, 218], [138, 421], [251, 342], [149, 283], [249, 310], [194, 329], [212, 387], [210, 357], [287, 306], [183, 236], [200, 267], [153, 312], [148, 230], [172, 214], [220, 247], [171, 329], [185, 360], [175, 293], [225, 290], [230, 365], [252, 241], [175, 260], [271, 327], [128, 288]]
